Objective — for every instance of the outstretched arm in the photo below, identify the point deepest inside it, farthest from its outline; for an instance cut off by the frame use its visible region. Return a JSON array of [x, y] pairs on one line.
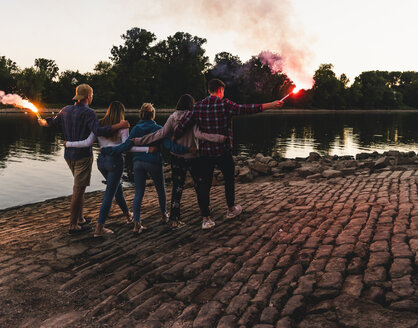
[[212, 137], [81, 144], [166, 131], [236, 109], [51, 122], [124, 133]]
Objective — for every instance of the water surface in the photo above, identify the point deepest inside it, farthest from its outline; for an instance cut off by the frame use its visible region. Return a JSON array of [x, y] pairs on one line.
[[32, 167]]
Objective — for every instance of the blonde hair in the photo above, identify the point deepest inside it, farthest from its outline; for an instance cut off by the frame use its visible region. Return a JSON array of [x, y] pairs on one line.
[[147, 112], [115, 113]]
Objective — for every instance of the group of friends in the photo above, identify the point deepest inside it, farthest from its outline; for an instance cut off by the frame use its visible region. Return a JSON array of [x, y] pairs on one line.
[[198, 136]]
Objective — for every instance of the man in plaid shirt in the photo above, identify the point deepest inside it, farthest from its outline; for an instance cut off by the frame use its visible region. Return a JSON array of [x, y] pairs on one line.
[[214, 115], [77, 121]]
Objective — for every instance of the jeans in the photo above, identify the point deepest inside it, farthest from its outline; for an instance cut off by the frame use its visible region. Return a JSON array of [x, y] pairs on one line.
[[140, 174], [206, 167], [112, 168], [179, 168]]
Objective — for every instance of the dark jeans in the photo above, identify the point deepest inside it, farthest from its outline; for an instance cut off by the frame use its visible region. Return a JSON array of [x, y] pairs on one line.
[[140, 175], [206, 166], [112, 168], [179, 168]]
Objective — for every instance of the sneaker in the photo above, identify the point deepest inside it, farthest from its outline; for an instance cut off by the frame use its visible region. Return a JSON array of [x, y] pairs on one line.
[[103, 232], [138, 228], [165, 217], [207, 224], [236, 210], [176, 225]]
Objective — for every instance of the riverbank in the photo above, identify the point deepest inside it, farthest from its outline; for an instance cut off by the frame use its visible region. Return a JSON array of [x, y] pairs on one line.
[[331, 251]]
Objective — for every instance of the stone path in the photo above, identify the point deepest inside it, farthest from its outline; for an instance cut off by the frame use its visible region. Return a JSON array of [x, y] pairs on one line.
[[335, 253]]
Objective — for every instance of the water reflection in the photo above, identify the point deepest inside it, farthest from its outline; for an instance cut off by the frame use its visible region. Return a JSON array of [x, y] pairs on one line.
[[32, 167]]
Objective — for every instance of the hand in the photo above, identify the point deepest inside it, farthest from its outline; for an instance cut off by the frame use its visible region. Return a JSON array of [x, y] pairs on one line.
[[224, 139], [124, 124], [277, 104], [193, 150], [152, 149], [42, 122], [65, 143], [134, 140]]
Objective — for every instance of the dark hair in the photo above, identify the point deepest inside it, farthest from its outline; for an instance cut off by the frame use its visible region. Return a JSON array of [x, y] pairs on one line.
[[215, 84], [185, 102]]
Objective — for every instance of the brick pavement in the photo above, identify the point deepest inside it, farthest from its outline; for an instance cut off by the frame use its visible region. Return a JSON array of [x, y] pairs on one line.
[[335, 253]]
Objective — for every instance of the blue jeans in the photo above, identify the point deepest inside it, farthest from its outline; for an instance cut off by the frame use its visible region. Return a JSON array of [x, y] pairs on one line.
[[112, 168], [140, 174]]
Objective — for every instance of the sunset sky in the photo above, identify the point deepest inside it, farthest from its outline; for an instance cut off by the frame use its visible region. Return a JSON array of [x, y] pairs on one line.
[[352, 35]]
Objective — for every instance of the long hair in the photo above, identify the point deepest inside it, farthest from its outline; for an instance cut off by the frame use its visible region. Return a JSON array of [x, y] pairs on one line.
[[115, 113], [185, 102]]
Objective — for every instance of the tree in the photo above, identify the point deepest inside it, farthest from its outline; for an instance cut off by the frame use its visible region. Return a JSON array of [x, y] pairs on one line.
[[328, 91], [132, 66], [48, 69], [103, 83], [64, 88], [229, 69], [31, 83], [47, 66], [8, 71], [180, 63], [374, 91]]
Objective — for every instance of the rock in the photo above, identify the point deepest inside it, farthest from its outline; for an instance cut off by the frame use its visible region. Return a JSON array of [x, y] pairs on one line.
[[313, 157], [289, 165], [260, 167], [304, 171], [363, 156], [315, 176], [392, 153], [381, 163], [245, 174], [331, 174]]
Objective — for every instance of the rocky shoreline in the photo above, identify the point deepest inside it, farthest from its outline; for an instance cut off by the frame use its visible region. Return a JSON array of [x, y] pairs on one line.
[[311, 249], [314, 167]]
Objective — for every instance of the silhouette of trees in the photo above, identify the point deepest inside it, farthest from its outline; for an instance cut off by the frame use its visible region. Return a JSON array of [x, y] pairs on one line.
[[144, 69]]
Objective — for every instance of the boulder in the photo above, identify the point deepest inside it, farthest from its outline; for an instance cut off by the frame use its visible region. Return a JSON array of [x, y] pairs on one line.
[[392, 153], [363, 156], [245, 175], [260, 167], [315, 176], [305, 171], [381, 162], [289, 165], [313, 157], [331, 174]]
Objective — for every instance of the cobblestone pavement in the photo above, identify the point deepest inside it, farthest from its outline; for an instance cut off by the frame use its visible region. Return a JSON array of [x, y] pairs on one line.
[[335, 253]]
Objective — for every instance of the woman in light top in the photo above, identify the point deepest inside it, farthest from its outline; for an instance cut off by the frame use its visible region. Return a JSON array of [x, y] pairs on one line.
[[180, 164], [145, 164], [111, 166]]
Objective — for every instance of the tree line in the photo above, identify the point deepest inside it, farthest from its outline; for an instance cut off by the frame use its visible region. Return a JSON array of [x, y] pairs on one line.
[[143, 69]]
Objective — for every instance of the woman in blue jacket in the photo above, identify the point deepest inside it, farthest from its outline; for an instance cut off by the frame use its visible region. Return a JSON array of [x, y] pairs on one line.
[[144, 163]]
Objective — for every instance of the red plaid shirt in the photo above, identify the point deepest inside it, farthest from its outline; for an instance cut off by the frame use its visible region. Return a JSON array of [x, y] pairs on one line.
[[214, 115]]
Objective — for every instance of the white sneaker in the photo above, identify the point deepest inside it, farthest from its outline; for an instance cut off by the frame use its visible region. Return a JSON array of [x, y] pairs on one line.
[[165, 218], [236, 210], [207, 224]]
